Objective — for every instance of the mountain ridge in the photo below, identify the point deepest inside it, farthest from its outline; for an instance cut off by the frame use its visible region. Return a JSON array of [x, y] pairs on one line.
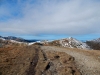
[[17, 39], [65, 42]]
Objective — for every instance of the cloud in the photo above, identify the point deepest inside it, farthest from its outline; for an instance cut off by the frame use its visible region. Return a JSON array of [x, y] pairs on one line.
[[71, 17]]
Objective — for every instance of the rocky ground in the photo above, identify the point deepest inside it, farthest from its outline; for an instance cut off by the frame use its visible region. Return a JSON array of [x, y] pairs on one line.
[[87, 61], [48, 60], [36, 60]]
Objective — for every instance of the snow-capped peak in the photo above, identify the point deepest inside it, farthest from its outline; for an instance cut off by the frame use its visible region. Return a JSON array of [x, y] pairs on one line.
[[73, 43]]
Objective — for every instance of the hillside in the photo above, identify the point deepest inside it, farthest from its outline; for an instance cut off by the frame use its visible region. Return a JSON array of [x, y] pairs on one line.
[[48, 60], [94, 44], [32, 60], [68, 42], [86, 61], [17, 39], [67, 56]]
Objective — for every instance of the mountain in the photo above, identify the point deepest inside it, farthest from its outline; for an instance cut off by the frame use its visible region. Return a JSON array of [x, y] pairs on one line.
[[94, 44], [73, 43], [17, 39], [96, 40], [68, 42]]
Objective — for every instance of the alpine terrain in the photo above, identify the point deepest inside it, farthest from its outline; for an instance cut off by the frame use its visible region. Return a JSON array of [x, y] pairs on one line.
[[67, 56]]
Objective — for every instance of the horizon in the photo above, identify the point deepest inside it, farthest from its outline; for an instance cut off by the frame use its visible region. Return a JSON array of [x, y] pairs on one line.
[[50, 19], [43, 38]]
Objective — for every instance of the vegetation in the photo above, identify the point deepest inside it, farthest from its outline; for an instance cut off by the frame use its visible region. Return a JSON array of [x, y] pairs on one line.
[[94, 45]]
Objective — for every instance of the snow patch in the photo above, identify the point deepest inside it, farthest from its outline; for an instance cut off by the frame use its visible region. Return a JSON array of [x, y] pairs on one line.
[[2, 38], [73, 43]]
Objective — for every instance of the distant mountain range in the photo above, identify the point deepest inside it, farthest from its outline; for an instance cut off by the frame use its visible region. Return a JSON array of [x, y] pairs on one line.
[[67, 42], [17, 39]]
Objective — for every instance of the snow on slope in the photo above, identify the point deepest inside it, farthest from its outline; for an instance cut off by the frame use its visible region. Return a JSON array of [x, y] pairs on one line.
[[16, 40], [2, 38], [96, 40], [73, 43], [68, 42]]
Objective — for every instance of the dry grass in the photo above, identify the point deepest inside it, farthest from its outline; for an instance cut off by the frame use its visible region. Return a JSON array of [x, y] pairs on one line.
[[15, 61], [93, 53], [31, 60]]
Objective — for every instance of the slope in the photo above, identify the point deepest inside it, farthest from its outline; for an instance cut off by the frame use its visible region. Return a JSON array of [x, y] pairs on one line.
[[87, 61], [31, 60]]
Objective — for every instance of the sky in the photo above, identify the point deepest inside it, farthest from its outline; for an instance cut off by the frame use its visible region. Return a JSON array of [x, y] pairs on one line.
[[50, 19]]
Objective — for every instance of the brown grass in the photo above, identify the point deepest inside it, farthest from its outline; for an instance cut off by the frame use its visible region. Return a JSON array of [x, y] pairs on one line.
[[20, 60]]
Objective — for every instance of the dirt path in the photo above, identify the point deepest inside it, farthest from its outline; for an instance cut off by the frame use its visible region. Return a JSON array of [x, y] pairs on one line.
[[33, 63], [85, 62]]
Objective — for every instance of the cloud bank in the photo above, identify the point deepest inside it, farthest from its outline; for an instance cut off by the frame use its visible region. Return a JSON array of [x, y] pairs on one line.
[[71, 17]]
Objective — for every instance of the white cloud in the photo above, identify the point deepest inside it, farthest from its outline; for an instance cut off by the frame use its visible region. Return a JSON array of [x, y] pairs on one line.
[[55, 17]]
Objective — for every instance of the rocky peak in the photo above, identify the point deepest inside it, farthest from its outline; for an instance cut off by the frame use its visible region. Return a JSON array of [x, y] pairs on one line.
[[73, 43]]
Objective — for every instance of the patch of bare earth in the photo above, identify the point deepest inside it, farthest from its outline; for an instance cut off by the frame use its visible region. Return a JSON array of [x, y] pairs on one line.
[[55, 63], [87, 61]]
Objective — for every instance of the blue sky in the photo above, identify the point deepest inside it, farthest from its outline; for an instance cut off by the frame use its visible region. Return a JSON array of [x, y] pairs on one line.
[[50, 19]]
